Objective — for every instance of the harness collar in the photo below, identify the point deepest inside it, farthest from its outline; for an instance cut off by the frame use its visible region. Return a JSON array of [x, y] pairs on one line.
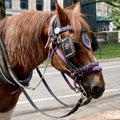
[[7, 75]]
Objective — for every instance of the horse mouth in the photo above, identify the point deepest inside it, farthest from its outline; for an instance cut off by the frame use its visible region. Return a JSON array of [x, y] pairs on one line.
[[94, 93], [91, 90]]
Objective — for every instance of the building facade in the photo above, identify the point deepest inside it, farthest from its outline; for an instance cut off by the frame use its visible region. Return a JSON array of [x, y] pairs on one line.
[[90, 13], [102, 9], [17, 6], [96, 18], [102, 20]]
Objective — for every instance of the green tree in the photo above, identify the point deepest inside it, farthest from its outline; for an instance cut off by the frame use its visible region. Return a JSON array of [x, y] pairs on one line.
[[2, 9], [114, 16]]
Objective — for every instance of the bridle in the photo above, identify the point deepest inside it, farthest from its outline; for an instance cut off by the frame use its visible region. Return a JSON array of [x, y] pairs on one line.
[[68, 51]]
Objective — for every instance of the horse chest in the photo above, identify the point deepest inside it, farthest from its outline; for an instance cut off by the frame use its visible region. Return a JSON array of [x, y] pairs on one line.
[[8, 100]]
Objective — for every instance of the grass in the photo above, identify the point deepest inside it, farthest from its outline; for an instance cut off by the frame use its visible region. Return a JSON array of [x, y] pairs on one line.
[[108, 51], [105, 51]]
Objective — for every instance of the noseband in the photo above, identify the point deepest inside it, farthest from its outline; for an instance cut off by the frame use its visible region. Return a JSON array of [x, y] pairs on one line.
[[68, 49]]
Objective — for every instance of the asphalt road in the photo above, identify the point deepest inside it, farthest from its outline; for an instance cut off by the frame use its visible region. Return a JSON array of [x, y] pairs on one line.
[[109, 102]]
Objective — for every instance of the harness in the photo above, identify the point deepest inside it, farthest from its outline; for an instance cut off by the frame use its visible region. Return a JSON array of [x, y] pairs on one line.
[[7, 75]]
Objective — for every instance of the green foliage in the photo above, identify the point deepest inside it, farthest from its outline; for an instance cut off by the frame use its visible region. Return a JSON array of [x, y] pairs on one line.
[[114, 15], [108, 51], [115, 3], [2, 9]]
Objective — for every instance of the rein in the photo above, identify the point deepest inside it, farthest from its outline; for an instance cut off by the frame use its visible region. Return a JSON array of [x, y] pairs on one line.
[[48, 88], [82, 101], [16, 82]]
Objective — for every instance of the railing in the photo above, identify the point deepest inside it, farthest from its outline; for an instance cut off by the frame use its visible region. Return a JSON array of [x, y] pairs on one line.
[[109, 45]]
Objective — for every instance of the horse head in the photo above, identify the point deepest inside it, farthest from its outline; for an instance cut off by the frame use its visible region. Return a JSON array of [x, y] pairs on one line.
[[72, 50]]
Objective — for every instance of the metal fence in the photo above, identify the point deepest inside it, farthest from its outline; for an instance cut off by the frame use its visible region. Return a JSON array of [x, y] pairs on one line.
[[109, 45], [108, 51]]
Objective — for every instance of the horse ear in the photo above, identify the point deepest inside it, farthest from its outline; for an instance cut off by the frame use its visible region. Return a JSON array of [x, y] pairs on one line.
[[77, 8], [63, 17]]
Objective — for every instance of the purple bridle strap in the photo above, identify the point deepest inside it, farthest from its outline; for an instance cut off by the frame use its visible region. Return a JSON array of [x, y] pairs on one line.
[[51, 52], [92, 67], [67, 81], [60, 55], [66, 28], [50, 30]]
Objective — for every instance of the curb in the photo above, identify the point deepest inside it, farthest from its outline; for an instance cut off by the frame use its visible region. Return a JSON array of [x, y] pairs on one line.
[[109, 60], [106, 115]]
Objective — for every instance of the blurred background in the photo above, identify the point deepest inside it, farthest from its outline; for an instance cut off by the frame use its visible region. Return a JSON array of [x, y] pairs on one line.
[[103, 17]]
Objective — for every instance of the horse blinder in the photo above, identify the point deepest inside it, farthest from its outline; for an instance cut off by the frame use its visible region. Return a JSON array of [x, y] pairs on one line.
[[66, 43], [86, 40], [68, 47]]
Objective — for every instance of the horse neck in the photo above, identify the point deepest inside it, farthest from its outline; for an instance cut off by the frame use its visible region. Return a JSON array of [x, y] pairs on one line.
[[32, 58], [23, 68]]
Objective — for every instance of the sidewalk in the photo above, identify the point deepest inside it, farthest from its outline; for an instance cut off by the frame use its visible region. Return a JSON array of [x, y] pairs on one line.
[[107, 115], [106, 60]]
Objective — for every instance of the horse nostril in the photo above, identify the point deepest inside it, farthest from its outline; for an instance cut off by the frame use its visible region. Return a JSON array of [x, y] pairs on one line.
[[97, 89]]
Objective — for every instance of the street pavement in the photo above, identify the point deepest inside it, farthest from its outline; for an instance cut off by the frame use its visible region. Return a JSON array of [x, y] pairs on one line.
[[105, 108]]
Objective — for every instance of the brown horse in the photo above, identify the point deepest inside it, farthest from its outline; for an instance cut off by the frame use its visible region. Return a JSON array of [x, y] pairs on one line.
[[25, 37]]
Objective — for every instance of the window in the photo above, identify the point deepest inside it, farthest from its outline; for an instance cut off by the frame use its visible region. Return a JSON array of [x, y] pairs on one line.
[[99, 4], [106, 14], [8, 4], [39, 4], [99, 13], [24, 4], [52, 5]]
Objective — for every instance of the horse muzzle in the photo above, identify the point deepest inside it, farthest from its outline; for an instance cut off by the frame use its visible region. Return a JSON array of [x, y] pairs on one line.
[[93, 84]]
